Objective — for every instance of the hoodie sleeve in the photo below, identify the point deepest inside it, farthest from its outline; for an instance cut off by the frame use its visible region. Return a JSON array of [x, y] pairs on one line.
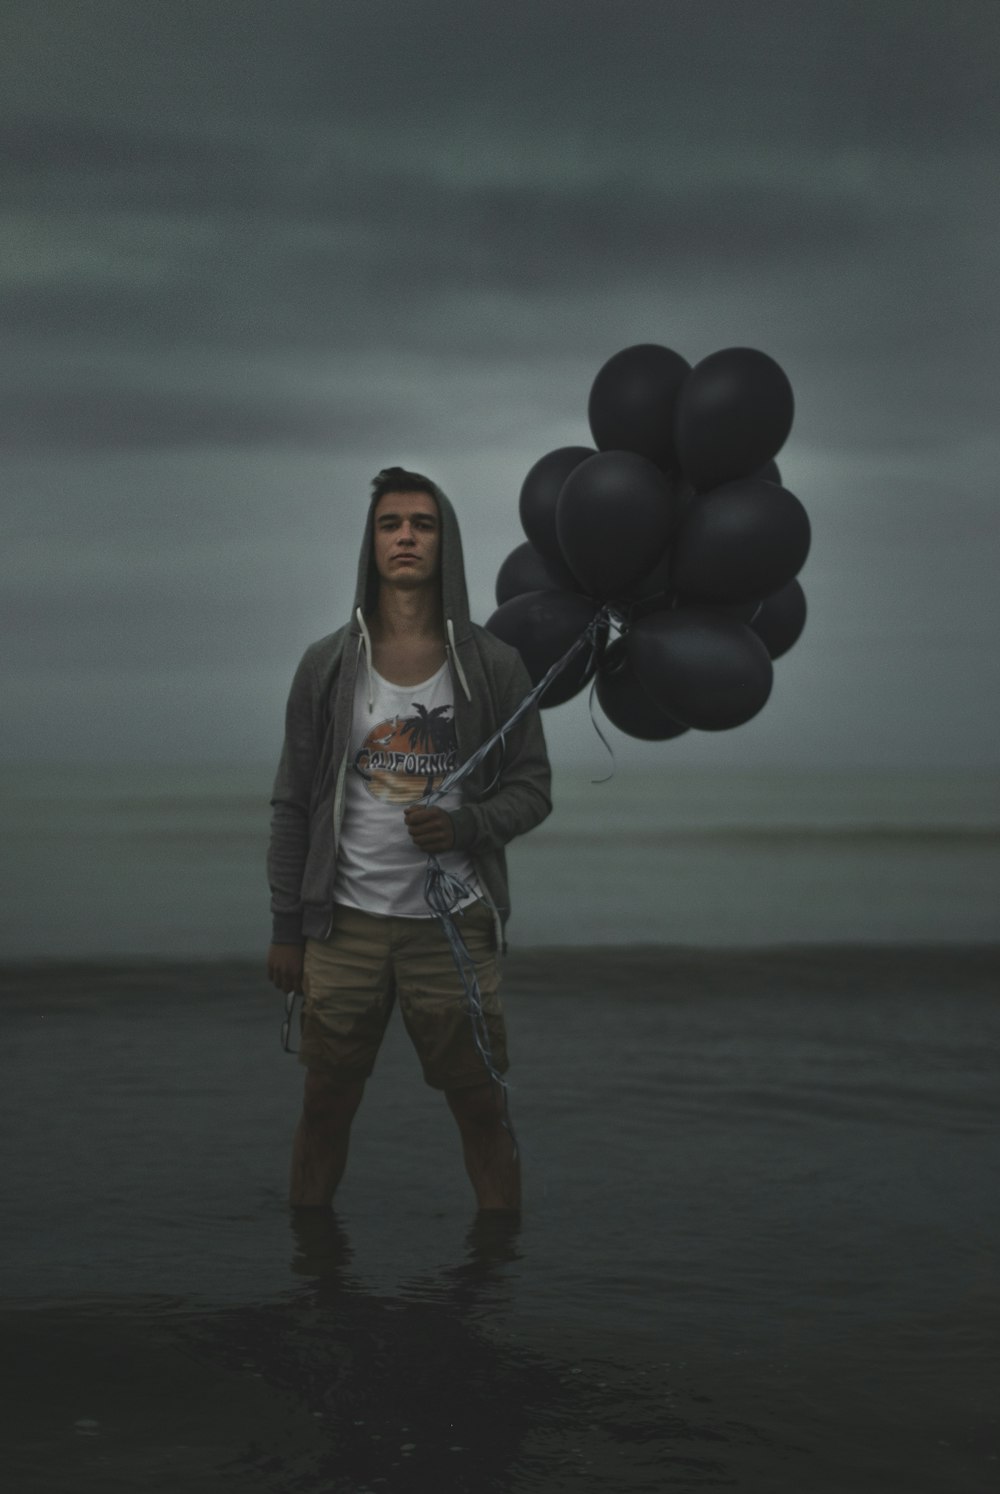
[[290, 805], [521, 799]]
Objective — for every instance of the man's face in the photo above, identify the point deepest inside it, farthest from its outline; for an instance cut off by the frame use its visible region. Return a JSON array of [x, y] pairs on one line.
[[407, 532]]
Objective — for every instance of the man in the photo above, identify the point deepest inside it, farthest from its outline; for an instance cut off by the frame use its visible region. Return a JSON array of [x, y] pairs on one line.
[[378, 713]]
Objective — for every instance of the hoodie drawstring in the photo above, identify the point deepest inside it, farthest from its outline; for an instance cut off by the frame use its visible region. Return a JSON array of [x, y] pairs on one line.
[[456, 661], [366, 644]]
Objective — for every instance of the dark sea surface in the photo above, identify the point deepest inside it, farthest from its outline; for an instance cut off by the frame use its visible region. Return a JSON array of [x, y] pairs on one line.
[[759, 1249]]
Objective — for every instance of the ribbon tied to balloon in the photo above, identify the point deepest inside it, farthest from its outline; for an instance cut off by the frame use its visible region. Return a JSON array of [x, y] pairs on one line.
[[675, 525]]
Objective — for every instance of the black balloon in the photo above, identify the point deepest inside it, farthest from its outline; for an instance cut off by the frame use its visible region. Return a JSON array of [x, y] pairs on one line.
[[540, 493], [744, 612], [770, 472], [780, 619], [542, 625], [628, 706], [631, 406], [526, 570], [733, 413], [655, 589], [740, 542], [615, 514], [709, 671]]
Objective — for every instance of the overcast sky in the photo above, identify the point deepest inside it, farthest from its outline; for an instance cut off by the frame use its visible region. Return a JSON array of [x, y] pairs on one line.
[[254, 250]]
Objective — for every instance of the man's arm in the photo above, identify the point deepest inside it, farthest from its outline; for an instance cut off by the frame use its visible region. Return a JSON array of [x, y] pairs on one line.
[[522, 798], [289, 845]]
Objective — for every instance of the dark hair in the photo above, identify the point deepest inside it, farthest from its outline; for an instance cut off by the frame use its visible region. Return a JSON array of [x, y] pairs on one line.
[[398, 480]]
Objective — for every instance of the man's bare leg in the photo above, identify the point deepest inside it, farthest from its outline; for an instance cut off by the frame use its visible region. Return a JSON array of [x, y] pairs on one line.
[[319, 1152], [488, 1147]]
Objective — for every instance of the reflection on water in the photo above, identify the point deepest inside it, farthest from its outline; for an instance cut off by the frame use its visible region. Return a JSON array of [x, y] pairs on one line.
[[403, 1390], [428, 1388], [323, 1249], [758, 1250]]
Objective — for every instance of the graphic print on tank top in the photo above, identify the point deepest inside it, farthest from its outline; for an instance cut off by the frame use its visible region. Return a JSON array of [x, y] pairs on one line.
[[402, 759]]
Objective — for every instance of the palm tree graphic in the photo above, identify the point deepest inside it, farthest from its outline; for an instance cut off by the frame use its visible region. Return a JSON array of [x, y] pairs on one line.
[[429, 731]]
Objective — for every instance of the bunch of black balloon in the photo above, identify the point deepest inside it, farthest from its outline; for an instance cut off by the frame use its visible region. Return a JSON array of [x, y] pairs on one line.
[[676, 525]]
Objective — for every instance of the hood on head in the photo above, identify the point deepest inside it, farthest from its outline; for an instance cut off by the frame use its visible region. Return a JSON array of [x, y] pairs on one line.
[[451, 573], [454, 593]]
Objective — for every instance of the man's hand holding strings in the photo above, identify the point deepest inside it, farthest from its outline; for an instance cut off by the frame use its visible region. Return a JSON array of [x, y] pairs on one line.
[[430, 830]]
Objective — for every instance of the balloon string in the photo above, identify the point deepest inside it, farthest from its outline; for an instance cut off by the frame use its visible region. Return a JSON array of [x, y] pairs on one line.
[[444, 892], [590, 634], [608, 748]]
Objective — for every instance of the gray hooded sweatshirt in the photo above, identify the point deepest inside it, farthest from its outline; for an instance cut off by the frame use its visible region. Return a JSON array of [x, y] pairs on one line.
[[506, 794]]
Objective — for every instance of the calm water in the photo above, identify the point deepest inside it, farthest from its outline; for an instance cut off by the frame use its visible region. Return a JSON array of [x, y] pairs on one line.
[[170, 862], [759, 1249]]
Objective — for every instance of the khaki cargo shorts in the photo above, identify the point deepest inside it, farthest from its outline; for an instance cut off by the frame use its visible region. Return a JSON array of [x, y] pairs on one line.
[[352, 978]]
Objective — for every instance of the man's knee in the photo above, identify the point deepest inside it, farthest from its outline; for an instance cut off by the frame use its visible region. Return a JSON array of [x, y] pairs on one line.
[[327, 1101], [478, 1107]]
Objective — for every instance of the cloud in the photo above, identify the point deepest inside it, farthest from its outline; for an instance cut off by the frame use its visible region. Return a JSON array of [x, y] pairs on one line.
[[916, 71], [121, 419], [224, 255]]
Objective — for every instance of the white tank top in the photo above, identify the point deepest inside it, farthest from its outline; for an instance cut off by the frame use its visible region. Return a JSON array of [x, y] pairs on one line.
[[400, 750]]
